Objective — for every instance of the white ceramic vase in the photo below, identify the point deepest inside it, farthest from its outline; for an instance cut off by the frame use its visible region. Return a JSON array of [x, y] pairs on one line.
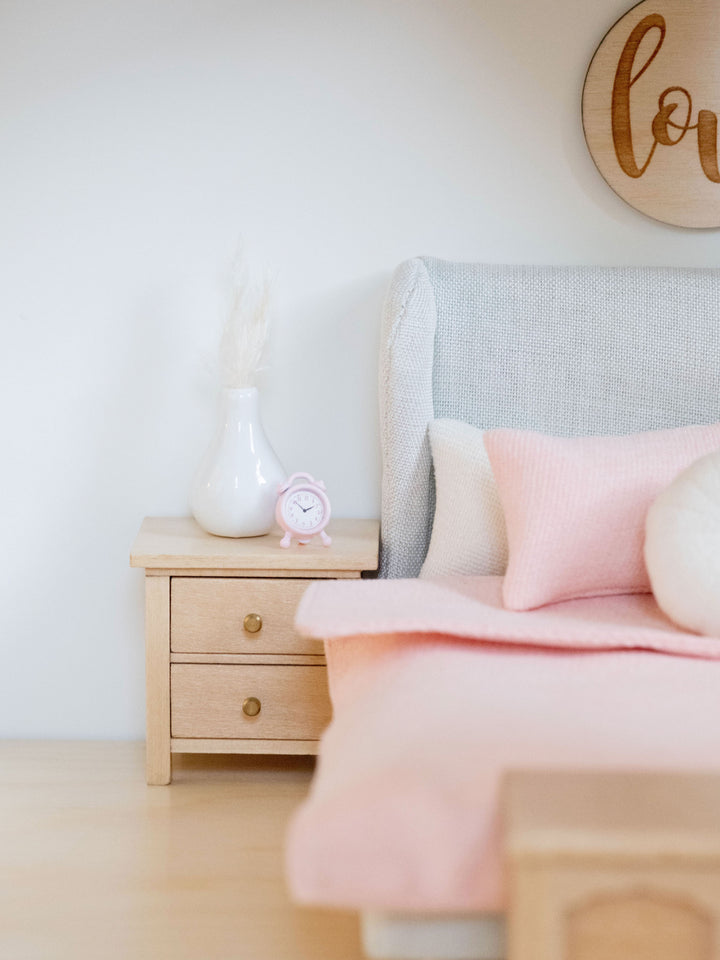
[[236, 487]]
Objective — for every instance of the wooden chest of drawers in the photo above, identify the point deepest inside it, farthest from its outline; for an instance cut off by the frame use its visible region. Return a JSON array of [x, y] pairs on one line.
[[225, 670]]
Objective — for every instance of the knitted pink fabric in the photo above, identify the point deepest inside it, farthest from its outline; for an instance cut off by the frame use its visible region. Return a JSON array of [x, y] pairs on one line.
[[575, 508], [403, 813]]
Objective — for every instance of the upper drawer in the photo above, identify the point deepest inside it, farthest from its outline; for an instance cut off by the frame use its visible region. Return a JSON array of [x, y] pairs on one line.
[[222, 615]]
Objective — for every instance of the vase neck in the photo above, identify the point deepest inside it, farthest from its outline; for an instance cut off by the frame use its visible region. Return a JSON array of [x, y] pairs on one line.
[[242, 403]]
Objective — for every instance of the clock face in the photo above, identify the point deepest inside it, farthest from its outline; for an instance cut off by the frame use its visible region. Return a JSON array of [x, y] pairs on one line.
[[304, 510]]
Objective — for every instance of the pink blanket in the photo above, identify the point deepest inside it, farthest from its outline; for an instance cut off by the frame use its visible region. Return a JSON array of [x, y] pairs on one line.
[[472, 607], [403, 812]]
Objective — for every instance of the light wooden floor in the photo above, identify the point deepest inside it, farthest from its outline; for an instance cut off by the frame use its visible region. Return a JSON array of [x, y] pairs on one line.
[[95, 864]]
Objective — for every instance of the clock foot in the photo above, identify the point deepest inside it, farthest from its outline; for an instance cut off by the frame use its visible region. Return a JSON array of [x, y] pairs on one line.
[[286, 540], [325, 538]]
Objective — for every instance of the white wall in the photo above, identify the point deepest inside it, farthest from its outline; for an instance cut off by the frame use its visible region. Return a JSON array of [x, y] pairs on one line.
[[138, 139]]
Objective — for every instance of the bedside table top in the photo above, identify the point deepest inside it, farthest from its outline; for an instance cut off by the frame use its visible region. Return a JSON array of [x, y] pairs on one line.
[[178, 543]]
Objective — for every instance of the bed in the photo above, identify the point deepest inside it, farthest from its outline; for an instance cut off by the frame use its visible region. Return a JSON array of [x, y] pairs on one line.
[[433, 701]]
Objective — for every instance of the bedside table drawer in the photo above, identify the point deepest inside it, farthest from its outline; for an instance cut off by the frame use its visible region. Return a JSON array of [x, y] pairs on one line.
[[258, 702], [240, 615]]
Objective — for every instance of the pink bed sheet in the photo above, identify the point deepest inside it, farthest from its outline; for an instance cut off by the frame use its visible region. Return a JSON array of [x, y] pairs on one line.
[[437, 691]]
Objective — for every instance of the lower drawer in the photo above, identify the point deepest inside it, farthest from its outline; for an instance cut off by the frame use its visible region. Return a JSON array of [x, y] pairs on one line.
[[209, 700]]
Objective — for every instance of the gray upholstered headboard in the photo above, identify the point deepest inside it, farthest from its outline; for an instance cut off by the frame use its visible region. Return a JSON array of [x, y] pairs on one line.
[[563, 350]]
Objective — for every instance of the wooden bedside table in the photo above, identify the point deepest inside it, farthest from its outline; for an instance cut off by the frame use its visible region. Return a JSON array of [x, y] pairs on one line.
[[225, 670]]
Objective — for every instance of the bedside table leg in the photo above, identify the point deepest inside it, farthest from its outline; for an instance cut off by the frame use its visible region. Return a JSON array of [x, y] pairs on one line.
[[157, 679]]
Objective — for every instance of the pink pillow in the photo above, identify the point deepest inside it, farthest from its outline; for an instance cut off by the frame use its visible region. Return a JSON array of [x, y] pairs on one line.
[[575, 508]]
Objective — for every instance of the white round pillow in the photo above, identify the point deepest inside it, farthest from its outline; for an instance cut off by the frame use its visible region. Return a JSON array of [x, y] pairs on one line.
[[682, 547]]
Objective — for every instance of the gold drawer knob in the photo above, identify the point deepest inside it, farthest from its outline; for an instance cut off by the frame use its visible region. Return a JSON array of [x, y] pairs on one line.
[[251, 706], [253, 623]]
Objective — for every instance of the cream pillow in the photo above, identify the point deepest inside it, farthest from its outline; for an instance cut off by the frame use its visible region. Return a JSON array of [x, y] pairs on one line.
[[468, 534], [682, 547]]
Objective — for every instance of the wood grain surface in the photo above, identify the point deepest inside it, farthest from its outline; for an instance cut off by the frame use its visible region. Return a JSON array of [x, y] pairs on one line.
[[95, 864], [157, 680], [178, 543], [650, 106], [609, 865], [207, 701], [208, 615]]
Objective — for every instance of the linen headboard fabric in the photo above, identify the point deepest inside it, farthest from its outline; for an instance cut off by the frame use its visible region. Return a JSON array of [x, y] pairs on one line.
[[568, 351]]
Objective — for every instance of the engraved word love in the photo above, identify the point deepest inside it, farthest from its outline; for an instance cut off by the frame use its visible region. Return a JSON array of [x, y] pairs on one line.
[[663, 122]]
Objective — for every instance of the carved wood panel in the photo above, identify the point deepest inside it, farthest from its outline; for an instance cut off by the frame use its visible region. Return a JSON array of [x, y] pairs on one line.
[[638, 926]]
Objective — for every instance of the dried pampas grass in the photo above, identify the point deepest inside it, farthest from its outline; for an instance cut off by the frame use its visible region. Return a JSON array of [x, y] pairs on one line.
[[246, 326]]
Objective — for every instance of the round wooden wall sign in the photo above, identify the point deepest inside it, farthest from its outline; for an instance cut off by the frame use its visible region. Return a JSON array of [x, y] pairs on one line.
[[650, 110]]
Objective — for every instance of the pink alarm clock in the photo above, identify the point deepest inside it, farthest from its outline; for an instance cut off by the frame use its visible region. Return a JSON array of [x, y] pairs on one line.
[[303, 509]]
